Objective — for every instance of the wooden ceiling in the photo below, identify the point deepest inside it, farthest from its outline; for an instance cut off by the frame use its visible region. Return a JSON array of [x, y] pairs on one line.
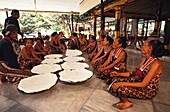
[[143, 9]]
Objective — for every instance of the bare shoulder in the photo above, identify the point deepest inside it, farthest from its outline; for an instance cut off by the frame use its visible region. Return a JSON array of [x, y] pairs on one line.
[[157, 62]]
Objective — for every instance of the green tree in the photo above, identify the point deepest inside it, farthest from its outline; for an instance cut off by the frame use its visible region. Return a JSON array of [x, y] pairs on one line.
[[1, 27]]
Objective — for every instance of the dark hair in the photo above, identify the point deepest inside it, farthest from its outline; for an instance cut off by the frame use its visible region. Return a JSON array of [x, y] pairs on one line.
[[46, 37], [39, 33], [158, 48], [26, 39], [60, 32], [122, 40], [110, 39], [53, 34], [93, 38], [14, 12], [75, 34], [37, 39], [103, 36]]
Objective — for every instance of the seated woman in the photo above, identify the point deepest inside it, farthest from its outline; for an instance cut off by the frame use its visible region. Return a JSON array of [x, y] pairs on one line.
[[39, 48], [116, 60], [73, 43], [102, 55], [142, 83], [98, 47], [28, 57], [83, 41], [47, 44], [55, 47], [91, 46], [60, 40]]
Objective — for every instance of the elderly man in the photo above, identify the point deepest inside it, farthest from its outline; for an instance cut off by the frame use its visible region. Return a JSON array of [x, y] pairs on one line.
[[7, 53]]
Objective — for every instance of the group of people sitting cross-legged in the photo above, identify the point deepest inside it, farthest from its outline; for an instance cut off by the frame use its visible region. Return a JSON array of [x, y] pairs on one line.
[[107, 56], [110, 63]]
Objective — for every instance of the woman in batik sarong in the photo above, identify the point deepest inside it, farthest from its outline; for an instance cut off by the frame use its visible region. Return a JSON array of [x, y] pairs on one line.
[[102, 55], [28, 57], [39, 48], [47, 44], [55, 47], [83, 41], [91, 46], [74, 42], [116, 60], [142, 83], [97, 48]]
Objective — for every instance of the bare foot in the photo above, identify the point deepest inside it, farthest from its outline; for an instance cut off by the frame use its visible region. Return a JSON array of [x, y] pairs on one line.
[[123, 105]]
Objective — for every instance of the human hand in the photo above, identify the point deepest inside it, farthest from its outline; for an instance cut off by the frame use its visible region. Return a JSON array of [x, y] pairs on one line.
[[115, 86], [114, 73], [101, 69]]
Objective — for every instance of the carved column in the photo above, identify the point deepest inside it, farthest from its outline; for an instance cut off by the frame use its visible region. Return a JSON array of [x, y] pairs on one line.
[[94, 24], [102, 18], [117, 20]]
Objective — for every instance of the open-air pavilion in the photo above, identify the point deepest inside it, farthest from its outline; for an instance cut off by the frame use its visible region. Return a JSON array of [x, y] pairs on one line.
[[89, 96]]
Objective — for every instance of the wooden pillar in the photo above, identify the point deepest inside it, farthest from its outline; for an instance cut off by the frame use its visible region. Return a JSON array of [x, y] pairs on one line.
[[121, 26], [124, 26], [117, 20], [102, 18], [143, 26], [94, 24], [108, 25], [134, 26], [146, 33], [158, 21], [72, 28], [167, 36]]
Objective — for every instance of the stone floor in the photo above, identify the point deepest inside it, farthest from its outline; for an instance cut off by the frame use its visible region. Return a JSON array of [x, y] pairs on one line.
[[88, 96]]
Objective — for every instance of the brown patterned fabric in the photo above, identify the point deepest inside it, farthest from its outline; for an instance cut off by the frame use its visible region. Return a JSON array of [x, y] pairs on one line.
[[148, 92], [28, 64], [99, 63]]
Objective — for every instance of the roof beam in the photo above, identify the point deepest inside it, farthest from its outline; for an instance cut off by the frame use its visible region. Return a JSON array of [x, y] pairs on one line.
[[112, 5], [39, 11]]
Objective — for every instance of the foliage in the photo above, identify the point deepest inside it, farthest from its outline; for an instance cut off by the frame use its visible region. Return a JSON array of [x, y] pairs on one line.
[[30, 23]]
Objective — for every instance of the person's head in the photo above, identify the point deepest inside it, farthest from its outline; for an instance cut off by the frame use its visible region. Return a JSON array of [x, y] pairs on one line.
[[119, 42], [61, 34], [101, 38], [38, 41], [39, 34], [54, 34], [46, 37], [108, 40], [28, 42], [15, 13], [153, 47], [92, 38], [11, 31], [74, 34]]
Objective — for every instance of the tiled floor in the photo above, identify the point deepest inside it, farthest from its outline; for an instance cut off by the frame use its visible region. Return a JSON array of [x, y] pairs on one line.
[[88, 96]]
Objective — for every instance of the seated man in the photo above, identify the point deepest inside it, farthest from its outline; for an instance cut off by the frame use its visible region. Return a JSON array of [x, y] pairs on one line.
[[7, 53]]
